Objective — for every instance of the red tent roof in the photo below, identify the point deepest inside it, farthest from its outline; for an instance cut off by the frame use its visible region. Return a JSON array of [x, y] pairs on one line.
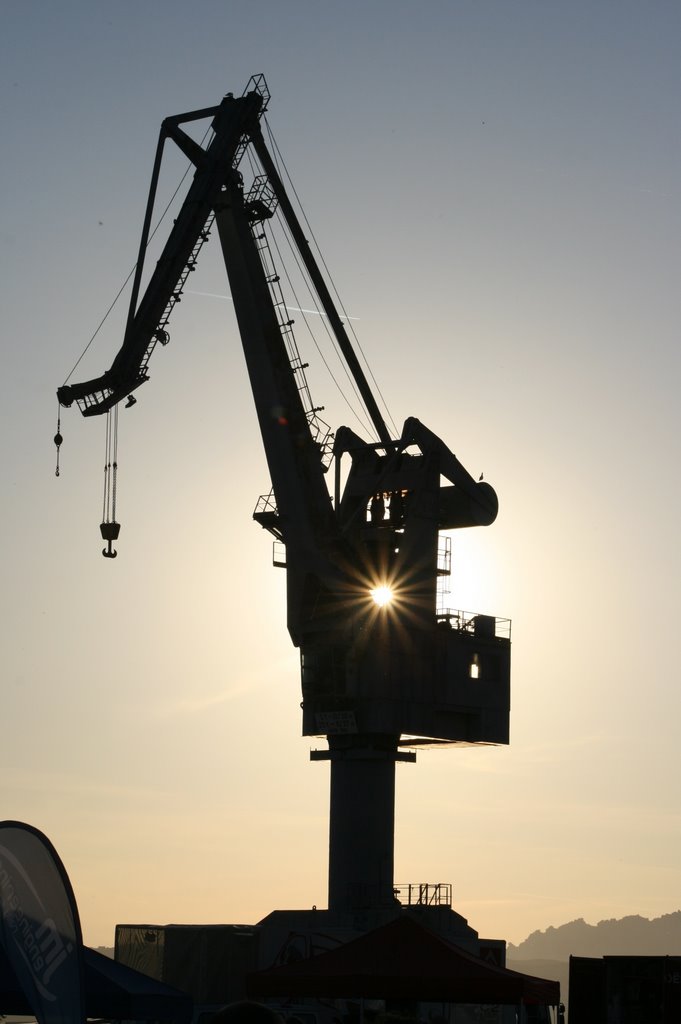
[[402, 960]]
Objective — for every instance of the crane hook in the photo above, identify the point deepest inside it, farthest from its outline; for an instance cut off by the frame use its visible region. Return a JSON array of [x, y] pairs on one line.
[[58, 439], [109, 532], [58, 442]]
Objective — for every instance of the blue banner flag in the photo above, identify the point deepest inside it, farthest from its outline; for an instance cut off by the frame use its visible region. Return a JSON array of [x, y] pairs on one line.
[[39, 924]]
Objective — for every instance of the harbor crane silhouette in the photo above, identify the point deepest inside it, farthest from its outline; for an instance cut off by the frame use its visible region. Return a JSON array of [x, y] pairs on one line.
[[384, 669]]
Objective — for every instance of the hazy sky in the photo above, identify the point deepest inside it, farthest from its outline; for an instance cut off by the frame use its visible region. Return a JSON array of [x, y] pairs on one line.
[[495, 186]]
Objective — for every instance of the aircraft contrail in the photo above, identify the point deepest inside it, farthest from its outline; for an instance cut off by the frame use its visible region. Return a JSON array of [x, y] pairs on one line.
[[296, 309]]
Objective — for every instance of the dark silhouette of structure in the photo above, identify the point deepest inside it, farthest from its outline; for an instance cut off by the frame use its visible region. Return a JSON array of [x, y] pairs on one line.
[[625, 989], [377, 680]]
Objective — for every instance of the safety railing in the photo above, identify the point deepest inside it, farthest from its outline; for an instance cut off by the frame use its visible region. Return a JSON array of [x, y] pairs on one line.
[[424, 894], [475, 623]]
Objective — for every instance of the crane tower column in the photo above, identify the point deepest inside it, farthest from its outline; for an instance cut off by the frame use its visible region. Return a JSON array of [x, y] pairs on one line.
[[362, 819]]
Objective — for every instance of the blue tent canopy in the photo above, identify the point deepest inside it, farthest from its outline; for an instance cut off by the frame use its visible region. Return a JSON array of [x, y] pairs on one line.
[[111, 990]]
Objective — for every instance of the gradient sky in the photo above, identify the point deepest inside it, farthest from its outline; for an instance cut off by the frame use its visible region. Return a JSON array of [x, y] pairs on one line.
[[495, 186]]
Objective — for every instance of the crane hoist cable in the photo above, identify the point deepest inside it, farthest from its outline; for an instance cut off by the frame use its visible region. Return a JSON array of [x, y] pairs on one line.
[[278, 158], [358, 411], [109, 527], [279, 161]]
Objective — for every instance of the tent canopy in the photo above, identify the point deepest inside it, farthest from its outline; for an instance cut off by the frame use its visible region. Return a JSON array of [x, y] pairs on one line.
[[111, 990], [402, 960]]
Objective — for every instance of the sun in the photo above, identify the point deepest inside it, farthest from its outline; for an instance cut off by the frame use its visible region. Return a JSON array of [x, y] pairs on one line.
[[382, 595]]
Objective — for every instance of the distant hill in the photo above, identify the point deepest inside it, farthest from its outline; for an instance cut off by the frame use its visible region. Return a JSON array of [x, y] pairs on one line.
[[626, 936]]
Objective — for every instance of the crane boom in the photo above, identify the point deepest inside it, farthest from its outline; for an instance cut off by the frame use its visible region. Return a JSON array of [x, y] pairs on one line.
[[128, 371]]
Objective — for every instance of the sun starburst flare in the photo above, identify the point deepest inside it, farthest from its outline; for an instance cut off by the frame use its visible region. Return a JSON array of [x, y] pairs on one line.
[[382, 595]]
